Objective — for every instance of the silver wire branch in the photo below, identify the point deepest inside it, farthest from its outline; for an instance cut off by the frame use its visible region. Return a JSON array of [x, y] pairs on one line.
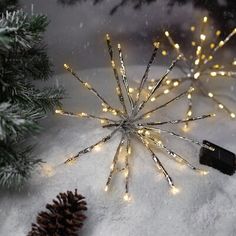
[[200, 45], [91, 147], [161, 106], [177, 121], [91, 89], [190, 104], [222, 74], [145, 76], [83, 115], [159, 130], [157, 162], [114, 162], [116, 76], [127, 165], [124, 76], [212, 97], [158, 84], [173, 155], [176, 47], [221, 44]]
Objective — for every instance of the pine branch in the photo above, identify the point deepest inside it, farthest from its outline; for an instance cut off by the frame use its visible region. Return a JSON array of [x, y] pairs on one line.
[[15, 121], [21, 29], [23, 59], [48, 98], [15, 166], [36, 64], [8, 5]]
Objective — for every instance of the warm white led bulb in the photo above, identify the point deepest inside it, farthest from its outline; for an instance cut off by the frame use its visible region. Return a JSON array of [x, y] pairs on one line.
[[150, 87], [83, 114], [202, 37], [221, 43], [107, 36], [168, 81], [176, 83], [126, 197], [97, 147], [211, 95], [114, 112], [164, 52], [204, 172], [129, 150], [177, 46], [103, 121], [196, 61], [213, 73], [131, 90], [66, 66], [232, 115], [174, 190], [156, 44], [167, 34], [196, 75], [58, 111], [106, 188], [126, 173], [147, 133], [166, 91]]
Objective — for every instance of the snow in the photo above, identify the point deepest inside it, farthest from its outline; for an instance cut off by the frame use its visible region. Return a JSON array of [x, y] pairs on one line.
[[206, 205]]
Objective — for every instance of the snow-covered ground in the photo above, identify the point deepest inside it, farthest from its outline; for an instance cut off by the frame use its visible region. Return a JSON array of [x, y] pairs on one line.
[[206, 205]]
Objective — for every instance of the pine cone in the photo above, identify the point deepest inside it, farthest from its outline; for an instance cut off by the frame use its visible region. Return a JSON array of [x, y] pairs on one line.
[[63, 218]]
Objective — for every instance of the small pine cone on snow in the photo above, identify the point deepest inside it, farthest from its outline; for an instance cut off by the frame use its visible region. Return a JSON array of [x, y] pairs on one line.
[[63, 218]]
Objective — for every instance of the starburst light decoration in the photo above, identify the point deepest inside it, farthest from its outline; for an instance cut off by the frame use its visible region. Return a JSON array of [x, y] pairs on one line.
[[200, 66], [130, 121]]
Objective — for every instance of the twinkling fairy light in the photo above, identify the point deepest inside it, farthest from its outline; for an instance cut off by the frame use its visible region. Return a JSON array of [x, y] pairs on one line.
[[130, 122], [199, 66]]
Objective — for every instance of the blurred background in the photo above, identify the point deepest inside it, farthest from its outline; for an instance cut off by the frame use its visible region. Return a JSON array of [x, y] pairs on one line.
[[77, 27]]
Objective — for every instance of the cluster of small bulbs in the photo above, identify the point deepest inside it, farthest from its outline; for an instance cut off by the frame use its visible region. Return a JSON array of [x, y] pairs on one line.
[[131, 122], [199, 66]]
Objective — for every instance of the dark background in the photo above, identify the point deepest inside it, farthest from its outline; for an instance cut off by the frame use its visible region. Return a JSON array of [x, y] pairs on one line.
[[76, 32]]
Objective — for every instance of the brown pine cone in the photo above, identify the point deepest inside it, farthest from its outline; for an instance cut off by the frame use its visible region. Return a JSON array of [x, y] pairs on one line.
[[63, 218]]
